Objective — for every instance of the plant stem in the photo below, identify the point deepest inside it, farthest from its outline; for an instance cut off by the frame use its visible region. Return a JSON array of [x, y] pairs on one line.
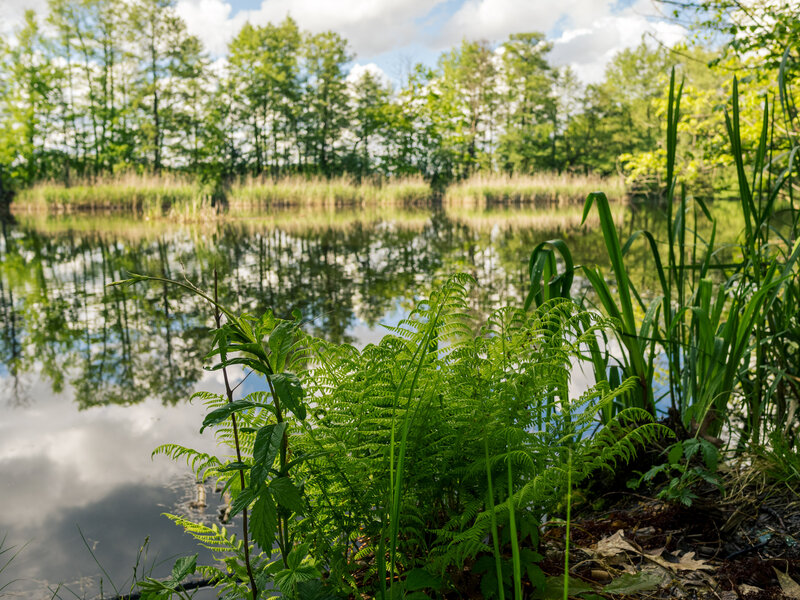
[[229, 393]]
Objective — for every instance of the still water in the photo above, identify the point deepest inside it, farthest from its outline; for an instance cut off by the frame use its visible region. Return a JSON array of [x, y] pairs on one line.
[[93, 378]]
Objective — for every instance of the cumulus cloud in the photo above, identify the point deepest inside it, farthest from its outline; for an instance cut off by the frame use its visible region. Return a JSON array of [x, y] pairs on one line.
[[358, 70], [588, 50], [586, 33], [371, 26], [591, 31]]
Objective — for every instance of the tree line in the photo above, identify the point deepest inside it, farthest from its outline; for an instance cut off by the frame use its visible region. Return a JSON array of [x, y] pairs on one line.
[[102, 87]]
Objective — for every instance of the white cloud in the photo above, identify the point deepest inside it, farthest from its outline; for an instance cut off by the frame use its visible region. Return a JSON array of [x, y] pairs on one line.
[[495, 19], [589, 50], [591, 31], [371, 26], [357, 71]]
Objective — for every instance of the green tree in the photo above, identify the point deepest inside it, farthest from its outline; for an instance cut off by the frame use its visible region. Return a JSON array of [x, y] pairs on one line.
[[325, 100], [529, 108], [372, 119]]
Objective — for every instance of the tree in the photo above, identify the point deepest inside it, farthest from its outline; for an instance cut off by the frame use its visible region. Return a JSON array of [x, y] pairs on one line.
[[325, 99], [371, 118], [529, 106]]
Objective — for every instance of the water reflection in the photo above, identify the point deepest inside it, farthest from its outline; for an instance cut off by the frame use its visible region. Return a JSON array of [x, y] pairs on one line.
[[120, 346], [127, 358]]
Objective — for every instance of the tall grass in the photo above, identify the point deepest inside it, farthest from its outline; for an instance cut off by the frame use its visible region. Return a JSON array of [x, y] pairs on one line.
[[127, 192], [716, 323], [341, 191], [186, 198], [541, 188]]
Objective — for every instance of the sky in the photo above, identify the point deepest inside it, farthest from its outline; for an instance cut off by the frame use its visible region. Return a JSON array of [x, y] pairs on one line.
[[392, 35]]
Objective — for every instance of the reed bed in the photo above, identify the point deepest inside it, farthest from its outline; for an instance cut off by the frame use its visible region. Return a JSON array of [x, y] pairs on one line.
[[187, 199], [129, 192], [341, 191], [539, 189]]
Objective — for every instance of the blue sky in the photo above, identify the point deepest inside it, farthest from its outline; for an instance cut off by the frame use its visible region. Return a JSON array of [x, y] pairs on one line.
[[392, 35]]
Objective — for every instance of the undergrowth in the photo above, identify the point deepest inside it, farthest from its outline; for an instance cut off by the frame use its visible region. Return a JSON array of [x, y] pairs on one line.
[[390, 470]]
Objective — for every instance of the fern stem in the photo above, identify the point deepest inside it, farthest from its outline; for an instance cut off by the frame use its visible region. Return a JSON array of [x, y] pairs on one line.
[[490, 506], [229, 394], [569, 519], [512, 523]]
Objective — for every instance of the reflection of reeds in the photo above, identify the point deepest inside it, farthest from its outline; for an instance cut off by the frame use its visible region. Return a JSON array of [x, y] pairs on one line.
[[302, 220], [119, 225], [533, 219], [540, 189]]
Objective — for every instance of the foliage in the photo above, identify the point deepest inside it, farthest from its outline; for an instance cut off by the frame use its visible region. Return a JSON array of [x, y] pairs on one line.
[[110, 88], [710, 319], [335, 460], [690, 463]]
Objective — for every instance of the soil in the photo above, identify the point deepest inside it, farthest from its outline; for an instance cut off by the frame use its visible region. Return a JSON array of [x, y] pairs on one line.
[[744, 544]]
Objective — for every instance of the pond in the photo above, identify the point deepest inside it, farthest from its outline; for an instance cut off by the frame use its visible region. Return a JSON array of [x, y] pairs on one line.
[[93, 378]]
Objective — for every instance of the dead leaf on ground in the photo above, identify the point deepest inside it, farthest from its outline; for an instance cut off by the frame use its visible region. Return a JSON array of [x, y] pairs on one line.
[[613, 545], [687, 562], [788, 585]]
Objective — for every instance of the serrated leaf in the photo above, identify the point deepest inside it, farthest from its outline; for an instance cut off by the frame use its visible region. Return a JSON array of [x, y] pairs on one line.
[[184, 566], [264, 521], [286, 494], [290, 392], [280, 343], [242, 501], [265, 449]]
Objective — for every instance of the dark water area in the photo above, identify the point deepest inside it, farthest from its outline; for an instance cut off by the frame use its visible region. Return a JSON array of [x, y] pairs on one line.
[[93, 378]]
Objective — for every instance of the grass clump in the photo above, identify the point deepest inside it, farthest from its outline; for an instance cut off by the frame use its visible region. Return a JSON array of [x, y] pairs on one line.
[[190, 199], [131, 193], [340, 191], [540, 188]]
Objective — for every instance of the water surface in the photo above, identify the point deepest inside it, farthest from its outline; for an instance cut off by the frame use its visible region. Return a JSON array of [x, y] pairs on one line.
[[93, 378]]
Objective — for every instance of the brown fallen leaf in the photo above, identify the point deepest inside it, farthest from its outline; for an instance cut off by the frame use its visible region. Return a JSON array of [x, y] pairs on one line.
[[613, 545], [687, 562], [789, 586]]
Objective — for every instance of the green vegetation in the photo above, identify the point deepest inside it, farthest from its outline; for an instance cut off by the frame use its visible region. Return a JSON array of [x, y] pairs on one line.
[[425, 464], [334, 459], [183, 196], [107, 88]]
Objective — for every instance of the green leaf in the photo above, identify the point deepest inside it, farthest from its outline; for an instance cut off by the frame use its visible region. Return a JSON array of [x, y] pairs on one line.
[[280, 343], [286, 494], [265, 449], [242, 501], [554, 588], [631, 583], [290, 392], [264, 521], [184, 566], [223, 412], [675, 454], [418, 579]]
